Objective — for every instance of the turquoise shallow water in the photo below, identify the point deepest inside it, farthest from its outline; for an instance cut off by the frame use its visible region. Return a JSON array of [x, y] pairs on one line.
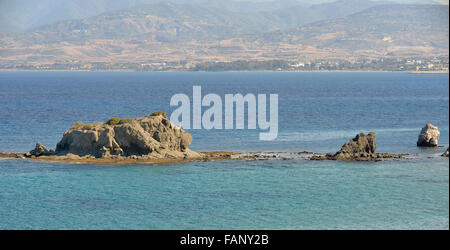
[[318, 112], [226, 195]]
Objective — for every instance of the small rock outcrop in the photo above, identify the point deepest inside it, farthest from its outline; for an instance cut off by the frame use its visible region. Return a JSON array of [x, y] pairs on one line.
[[447, 153], [149, 137], [39, 150], [361, 148], [429, 136]]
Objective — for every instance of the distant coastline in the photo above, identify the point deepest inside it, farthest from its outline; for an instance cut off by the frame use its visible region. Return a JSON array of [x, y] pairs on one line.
[[255, 71], [428, 72]]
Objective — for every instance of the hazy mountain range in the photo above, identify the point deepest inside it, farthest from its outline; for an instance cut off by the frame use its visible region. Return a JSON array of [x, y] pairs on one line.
[[378, 28], [21, 15], [200, 30], [168, 22]]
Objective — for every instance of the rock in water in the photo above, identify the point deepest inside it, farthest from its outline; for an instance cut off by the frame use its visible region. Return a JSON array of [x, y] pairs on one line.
[[361, 148], [39, 150], [152, 136], [429, 136], [447, 153]]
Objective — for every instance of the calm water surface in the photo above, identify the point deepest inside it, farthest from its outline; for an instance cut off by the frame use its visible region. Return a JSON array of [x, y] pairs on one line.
[[317, 112]]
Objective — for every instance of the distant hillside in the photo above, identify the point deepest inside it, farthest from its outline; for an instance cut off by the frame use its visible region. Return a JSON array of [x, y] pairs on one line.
[[377, 28], [163, 22], [252, 6], [168, 22], [22, 15], [149, 36], [299, 15]]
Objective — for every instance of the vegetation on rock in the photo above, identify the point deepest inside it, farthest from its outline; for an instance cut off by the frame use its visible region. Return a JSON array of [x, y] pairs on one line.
[[118, 121], [113, 121], [158, 113], [146, 137]]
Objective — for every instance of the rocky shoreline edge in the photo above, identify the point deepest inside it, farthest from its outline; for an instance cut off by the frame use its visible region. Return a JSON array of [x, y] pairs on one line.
[[204, 157], [121, 160], [153, 139]]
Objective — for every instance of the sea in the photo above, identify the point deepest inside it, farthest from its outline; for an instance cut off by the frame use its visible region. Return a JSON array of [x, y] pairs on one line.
[[317, 112]]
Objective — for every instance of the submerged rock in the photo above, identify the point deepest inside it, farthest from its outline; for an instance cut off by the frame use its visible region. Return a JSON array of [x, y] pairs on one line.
[[147, 137], [429, 136], [361, 148], [447, 153]]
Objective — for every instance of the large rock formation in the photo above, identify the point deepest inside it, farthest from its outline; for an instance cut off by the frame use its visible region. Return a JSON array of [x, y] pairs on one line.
[[361, 148], [447, 153], [429, 136], [147, 137]]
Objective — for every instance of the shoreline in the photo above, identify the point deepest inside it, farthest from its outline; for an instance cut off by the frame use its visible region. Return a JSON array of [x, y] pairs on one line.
[[243, 71], [221, 156], [206, 156]]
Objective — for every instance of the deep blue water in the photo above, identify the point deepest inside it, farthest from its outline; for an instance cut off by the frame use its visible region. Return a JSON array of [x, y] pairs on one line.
[[317, 112]]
